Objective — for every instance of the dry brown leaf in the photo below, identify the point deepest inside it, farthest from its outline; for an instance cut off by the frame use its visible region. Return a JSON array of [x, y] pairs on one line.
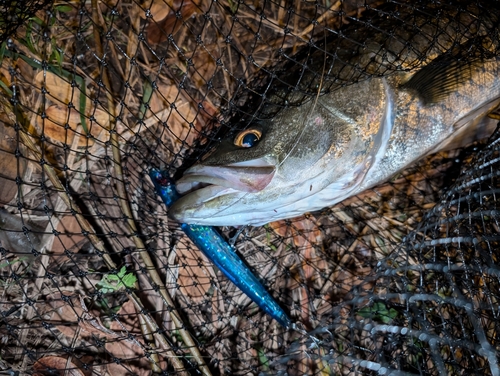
[[305, 235], [65, 313], [303, 230], [26, 71], [206, 115], [56, 365], [186, 111], [53, 125], [161, 8], [165, 18], [194, 280], [62, 93], [58, 88], [70, 235], [309, 265], [125, 349], [75, 312], [205, 64], [130, 321], [92, 324], [6, 76], [8, 186], [9, 168], [87, 324]]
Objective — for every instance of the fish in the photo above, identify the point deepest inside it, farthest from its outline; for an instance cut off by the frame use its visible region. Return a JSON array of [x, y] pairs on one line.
[[218, 251], [403, 81]]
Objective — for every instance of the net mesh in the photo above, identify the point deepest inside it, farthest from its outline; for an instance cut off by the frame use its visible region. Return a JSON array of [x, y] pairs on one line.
[[95, 279]]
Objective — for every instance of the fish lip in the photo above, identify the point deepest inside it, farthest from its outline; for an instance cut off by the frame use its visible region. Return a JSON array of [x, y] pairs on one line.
[[203, 183], [187, 208], [202, 195], [239, 176]]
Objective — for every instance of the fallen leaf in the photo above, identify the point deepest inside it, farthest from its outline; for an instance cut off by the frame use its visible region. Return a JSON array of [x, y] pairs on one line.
[[168, 18], [205, 63], [186, 119], [69, 235], [59, 126], [66, 312], [59, 89], [73, 314], [306, 236], [56, 365], [161, 8], [195, 284], [62, 93], [9, 167], [127, 349], [27, 72]]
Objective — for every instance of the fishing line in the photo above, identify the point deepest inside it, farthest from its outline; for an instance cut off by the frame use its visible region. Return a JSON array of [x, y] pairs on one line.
[[307, 116], [311, 109]]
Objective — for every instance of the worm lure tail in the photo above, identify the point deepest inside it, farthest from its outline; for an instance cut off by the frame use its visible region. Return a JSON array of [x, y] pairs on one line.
[[217, 250]]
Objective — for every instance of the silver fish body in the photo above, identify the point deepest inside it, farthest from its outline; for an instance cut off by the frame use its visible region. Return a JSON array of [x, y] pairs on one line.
[[356, 136]]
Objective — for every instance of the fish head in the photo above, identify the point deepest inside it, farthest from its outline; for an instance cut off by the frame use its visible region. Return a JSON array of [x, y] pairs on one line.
[[274, 168]]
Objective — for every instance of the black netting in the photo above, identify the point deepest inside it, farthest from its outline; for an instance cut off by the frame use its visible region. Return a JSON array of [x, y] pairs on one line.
[[14, 13], [95, 278]]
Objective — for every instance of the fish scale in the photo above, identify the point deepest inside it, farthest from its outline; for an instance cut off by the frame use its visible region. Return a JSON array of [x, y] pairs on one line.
[[391, 91]]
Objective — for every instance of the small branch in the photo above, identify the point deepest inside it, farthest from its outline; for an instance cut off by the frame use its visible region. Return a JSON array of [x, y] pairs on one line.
[[94, 240], [124, 204]]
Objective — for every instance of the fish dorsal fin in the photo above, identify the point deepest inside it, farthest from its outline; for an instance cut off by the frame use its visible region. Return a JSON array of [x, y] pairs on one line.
[[445, 74]]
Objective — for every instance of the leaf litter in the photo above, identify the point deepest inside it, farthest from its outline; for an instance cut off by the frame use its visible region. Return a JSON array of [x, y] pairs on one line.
[[324, 255]]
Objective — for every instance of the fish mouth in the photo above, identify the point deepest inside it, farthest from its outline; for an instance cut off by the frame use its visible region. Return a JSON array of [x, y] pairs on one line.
[[201, 184], [237, 176]]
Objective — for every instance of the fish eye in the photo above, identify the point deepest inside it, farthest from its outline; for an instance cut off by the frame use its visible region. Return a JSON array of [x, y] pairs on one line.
[[248, 138]]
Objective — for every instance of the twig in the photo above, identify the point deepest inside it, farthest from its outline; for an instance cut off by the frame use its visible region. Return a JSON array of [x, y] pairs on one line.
[[146, 258], [87, 229], [335, 7]]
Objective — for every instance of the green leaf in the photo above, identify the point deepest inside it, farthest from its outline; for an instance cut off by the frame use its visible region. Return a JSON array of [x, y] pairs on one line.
[[263, 360], [129, 280], [37, 21], [148, 93], [378, 312], [64, 8], [117, 281], [2, 51], [233, 6], [122, 272], [6, 88], [4, 264]]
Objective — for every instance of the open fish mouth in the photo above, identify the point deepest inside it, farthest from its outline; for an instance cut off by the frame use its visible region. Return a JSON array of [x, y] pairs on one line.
[[201, 184], [238, 176]]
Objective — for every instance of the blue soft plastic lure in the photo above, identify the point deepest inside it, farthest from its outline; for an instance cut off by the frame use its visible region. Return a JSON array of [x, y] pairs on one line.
[[211, 243]]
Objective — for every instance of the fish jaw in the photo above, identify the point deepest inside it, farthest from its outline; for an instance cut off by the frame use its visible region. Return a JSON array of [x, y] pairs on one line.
[[205, 206], [224, 206], [227, 185], [217, 205], [246, 178]]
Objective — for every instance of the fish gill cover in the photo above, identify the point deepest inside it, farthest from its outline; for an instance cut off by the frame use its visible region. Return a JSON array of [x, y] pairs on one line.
[[97, 279]]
